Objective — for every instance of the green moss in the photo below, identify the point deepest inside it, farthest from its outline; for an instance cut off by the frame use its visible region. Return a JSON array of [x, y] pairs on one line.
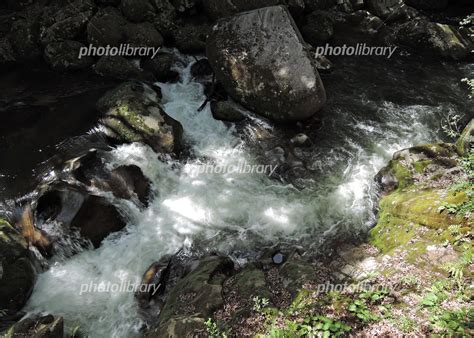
[[420, 166], [392, 232]]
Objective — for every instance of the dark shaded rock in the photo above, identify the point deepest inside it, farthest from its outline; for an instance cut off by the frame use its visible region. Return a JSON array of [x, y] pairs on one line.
[[283, 86], [201, 68], [69, 22], [6, 52], [106, 27], [24, 39], [143, 35], [431, 38], [65, 56], [165, 18], [17, 274], [296, 7], [249, 283], [323, 64], [18, 4], [428, 4], [38, 326], [138, 10], [313, 5], [191, 38], [132, 116], [160, 67], [96, 219], [118, 67], [318, 29], [184, 5], [227, 111], [217, 9]]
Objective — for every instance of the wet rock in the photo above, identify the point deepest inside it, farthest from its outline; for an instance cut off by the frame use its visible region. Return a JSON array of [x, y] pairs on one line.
[[283, 86], [313, 5], [6, 52], [97, 219], [323, 64], [38, 326], [296, 7], [132, 116], [227, 111], [296, 272], [364, 22], [318, 29], [217, 9], [125, 182], [301, 140], [106, 28], [143, 35], [17, 274], [465, 143], [138, 10], [249, 283], [436, 39], [65, 56], [160, 67], [155, 279], [194, 299], [201, 68], [428, 4], [191, 38], [18, 4], [387, 9], [118, 67]]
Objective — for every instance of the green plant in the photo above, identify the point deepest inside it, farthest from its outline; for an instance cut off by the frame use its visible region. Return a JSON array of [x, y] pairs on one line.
[[452, 322], [436, 294], [405, 324], [456, 269], [313, 326], [213, 330], [360, 309], [451, 126], [259, 303]]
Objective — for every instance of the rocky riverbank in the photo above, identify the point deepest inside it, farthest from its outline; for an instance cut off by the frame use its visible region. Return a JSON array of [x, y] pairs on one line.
[[412, 274]]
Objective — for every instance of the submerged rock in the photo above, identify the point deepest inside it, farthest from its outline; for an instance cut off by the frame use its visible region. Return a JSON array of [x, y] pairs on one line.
[[17, 273], [132, 115], [267, 70], [227, 111]]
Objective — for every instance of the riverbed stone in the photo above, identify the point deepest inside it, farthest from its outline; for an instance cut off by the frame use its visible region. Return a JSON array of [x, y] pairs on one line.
[[17, 273], [283, 85], [106, 28], [130, 115], [137, 10], [227, 111], [118, 67]]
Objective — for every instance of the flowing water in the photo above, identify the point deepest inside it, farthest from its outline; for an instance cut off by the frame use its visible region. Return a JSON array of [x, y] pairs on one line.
[[236, 212]]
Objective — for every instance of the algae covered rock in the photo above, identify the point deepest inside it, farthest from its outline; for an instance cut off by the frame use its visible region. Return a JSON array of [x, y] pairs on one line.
[[38, 326], [17, 273], [132, 114]]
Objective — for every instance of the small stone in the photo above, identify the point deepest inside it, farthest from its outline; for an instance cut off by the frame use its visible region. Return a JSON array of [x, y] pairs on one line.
[[278, 258]]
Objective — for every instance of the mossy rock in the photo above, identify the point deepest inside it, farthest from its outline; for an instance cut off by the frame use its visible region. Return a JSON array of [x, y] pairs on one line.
[[251, 282], [406, 164], [194, 298], [131, 115], [17, 273], [465, 143], [37, 326]]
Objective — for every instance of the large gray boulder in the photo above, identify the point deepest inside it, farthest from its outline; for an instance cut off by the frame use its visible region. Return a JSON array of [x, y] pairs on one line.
[[262, 61]]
